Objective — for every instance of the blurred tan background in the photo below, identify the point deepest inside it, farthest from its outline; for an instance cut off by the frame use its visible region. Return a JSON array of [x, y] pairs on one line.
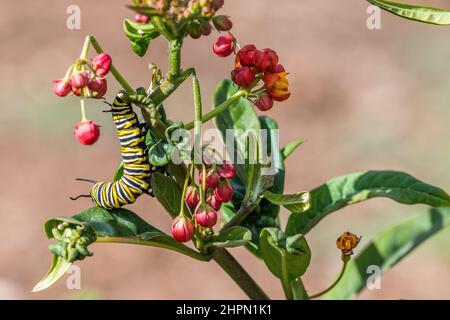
[[361, 99]]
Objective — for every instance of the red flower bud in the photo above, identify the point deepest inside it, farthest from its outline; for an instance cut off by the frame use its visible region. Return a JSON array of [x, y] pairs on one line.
[[102, 64], [205, 28], [98, 87], [224, 191], [217, 4], [212, 179], [222, 23], [213, 201], [87, 132], [206, 217], [79, 80], [247, 55], [140, 18], [226, 170], [265, 103], [192, 196], [76, 91], [194, 30], [182, 229], [266, 60], [61, 88], [243, 76], [224, 45]]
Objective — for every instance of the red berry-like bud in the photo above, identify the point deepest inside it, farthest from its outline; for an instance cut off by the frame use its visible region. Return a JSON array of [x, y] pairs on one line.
[[140, 18], [61, 88], [217, 4], [205, 28], [212, 179], [192, 196], [182, 229], [102, 64], [206, 217], [224, 191], [222, 23], [87, 132], [264, 103], [266, 60], [247, 55], [98, 87], [76, 91], [226, 170], [79, 80], [243, 76], [224, 45], [194, 30], [213, 201]]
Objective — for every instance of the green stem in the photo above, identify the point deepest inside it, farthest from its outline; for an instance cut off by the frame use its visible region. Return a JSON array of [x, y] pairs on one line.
[[174, 58], [229, 264], [85, 50], [114, 71], [180, 248], [285, 279], [219, 109], [186, 182], [344, 266]]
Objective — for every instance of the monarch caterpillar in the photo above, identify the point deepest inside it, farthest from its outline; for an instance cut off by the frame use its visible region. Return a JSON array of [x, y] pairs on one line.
[[137, 170]]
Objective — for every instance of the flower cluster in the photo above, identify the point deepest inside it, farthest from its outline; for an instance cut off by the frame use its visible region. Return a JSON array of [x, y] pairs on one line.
[[86, 80], [253, 66], [194, 16], [218, 190]]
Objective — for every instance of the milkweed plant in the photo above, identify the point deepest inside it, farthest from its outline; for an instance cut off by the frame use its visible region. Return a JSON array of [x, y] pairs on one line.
[[227, 195]]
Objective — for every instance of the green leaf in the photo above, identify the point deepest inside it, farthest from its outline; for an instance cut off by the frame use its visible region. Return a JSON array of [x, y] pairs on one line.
[[140, 35], [58, 268], [119, 171], [414, 12], [167, 192], [299, 202], [290, 148], [231, 237], [242, 118], [356, 187], [286, 257], [387, 249]]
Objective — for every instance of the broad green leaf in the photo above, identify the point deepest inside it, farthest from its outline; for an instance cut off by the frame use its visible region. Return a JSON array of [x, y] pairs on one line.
[[356, 187], [387, 249], [415, 12], [167, 192], [140, 35], [231, 237], [286, 257], [290, 148], [58, 268], [105, 226], [241, 122], [299, 202]]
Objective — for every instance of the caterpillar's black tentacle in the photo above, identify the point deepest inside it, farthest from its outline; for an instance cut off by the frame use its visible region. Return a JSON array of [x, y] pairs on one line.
[[86, 180], [136, 174], [80, 196]]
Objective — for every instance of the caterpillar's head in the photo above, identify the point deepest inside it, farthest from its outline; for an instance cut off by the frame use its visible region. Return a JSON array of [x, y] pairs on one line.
[[123, 96]]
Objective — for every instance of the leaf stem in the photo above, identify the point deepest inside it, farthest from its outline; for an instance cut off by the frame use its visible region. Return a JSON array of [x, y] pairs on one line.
[[232, 267], [114, 71], [285, 282], [178, 247], [174, 58], [219, 109], [344, 266]]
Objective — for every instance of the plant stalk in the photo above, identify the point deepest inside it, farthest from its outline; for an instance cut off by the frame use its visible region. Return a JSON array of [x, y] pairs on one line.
[[219, 109], [230, 265], [136, 241], [344, 267]]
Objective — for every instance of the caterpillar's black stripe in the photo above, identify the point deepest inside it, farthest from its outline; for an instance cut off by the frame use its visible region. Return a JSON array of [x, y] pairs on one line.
[[134, 181]]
